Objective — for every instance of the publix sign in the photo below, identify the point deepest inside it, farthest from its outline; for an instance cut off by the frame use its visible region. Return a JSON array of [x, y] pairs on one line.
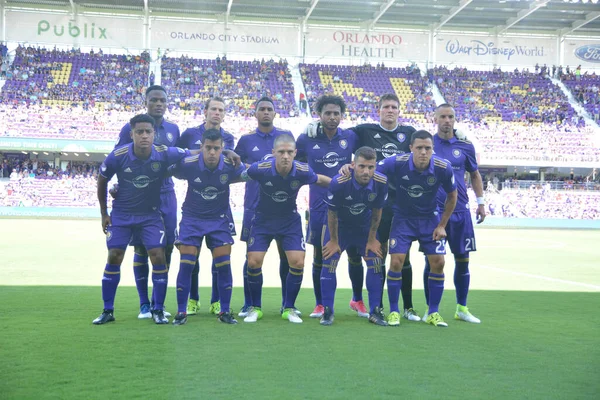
[[72, 30], [589, 53]]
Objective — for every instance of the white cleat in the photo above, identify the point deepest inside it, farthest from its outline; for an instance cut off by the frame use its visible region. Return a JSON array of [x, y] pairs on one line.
[[167, 314], [463, 314], [292, 316], [411, 315], [424, 319], [254, 315]]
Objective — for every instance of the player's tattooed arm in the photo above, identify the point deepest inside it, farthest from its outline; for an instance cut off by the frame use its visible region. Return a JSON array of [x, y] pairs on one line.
[[323, 180], [102, 193], [477, 183], [440, 231], [333, 246], [232, 156], [373, 244], [345, 170]]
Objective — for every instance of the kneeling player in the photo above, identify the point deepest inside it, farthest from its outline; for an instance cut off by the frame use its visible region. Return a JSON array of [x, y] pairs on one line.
[[355, 203], [205, 215]]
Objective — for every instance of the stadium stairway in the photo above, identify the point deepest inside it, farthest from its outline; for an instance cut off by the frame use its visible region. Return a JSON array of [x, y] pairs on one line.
[[297, 82], [576, 106], [437, 94], [155, 66]]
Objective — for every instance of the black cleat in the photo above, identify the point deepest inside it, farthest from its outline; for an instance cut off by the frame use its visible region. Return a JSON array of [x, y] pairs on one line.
[[377, 317], [105, 317], [227, 318], [180, 318], [159, 317], [327, 318]]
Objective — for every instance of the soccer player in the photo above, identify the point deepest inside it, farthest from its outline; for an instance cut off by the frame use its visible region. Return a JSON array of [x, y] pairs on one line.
[[140, 168], [355, 204], [277, 218], [388, 138], [418, 177], [325, 153], [167, 134], [191, 138], [461, 236], [253, 147], [205, 215]]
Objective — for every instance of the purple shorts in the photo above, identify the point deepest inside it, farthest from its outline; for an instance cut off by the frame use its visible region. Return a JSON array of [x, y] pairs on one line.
[[287, 230], [352, 239], [405, 231], [461, 236], [216, 231], [168, 210], [148, 228], [316, 221]]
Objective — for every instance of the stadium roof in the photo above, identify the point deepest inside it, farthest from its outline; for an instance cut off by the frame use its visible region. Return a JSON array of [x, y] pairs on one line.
[[581, 17]]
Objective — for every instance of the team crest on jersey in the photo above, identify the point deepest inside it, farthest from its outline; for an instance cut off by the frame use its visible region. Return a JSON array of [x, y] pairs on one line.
[[393, 243], [372, 196], [295, 184], [431, 180], [343, 143], [401, 137], [155, 166], [223, 178], [456, 153], [170, 137]]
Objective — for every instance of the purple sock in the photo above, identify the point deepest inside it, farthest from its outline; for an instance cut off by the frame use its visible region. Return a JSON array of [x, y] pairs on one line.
[[110, 282], [436, 290], [356, 272], [328, 282], [141, 272], [294, 281], [374, 278], [462, 278], [224, 280], [394, 286], [426, 280], [194, 291], [317, 276], [214, 296], [160, 279], [247, 293], [186, 265], [255, 284], [284, 268]]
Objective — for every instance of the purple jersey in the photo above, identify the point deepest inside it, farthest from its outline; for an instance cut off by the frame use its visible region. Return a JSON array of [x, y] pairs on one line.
[[257, 146], [461, 155], [140, 181], [416, 191], [354, 202], [277, 193], [191, 138], [165, 134], [325, 157], [208, 191]]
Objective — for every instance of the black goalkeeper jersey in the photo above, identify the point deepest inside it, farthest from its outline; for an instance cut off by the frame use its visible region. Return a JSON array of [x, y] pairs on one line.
[[386, 143]]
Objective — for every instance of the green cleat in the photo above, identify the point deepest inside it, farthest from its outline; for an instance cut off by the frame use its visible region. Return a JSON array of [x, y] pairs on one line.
[[291, 315], [254, 314], [215, 308], [436, 319], [193, 307], [463, 314], [394, 319]]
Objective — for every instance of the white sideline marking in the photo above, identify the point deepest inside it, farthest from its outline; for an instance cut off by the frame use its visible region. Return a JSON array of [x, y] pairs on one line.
[[546, 278]]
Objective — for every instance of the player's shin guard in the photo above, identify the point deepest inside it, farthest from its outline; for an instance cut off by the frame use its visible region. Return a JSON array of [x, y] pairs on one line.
[[140, 273], [317, 275], [436, 290], [356, 272], [294, 281], [255, 284], [184, 276], [284, 268], [160, 279], [426, 271], [462, 278], [224, 281], [110, 282], [328, 282], [374, 279], [407, 285], [394, 286], [194, 290], [214, 296]]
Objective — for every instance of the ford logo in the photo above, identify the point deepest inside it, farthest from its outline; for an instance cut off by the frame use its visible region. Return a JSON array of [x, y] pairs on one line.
[[589, 53]]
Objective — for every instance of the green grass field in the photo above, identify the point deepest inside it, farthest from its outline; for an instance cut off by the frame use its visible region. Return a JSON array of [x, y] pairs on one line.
[[540, 340]]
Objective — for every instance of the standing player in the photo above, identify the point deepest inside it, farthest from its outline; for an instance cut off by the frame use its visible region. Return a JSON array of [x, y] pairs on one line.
[[418, 177], [253, 147], [355, 204], [167, 134], [461, 236], [325, 153], [191, 138], [277, 218], [388, 138], [140, 168], [205, 215]]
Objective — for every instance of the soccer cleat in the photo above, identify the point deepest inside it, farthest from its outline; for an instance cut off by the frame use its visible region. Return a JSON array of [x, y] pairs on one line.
[[254, 314], [424, 318], [327, 318], [145, 312], [180, 318], [105, 317], [291, 315], [215, 308], [411, 314], [317, 312], [227, 318], [193, 307], [244, 311], [166, 313], [159, 317], [436, 319], [377, 317], [295, 309], [463, 314], [359, 307], [394, 319]]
